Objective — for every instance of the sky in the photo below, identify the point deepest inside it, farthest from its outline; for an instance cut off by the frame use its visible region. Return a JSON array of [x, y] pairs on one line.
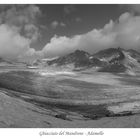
[[29, 32], [70, 20]]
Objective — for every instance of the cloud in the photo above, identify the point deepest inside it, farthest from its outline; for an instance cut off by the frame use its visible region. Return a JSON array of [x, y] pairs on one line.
[[19, 15], [11, 43], [56, 24], [68, 9], [62, 24], [18, 29], [78, 19], [123, 33], [134, 8], [59, 46], [31, 31]]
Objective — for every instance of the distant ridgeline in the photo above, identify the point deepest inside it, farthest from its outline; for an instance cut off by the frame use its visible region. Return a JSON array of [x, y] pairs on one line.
[[115, 60]]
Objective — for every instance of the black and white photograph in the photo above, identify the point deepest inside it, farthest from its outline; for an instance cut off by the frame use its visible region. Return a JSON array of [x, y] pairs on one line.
[[69, 65]]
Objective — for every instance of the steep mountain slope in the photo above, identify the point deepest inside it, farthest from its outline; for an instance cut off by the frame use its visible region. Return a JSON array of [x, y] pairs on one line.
[[120, 60], [134, 54], [114, 58], [78, 59]]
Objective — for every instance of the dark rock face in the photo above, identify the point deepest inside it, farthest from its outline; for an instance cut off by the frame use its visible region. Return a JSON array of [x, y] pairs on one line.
[[111, 54], [108, 52], [97, 62], [113, 68], [114, 58]]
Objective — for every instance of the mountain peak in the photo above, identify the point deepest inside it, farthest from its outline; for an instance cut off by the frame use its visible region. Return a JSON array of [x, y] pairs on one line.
[[79, 51]]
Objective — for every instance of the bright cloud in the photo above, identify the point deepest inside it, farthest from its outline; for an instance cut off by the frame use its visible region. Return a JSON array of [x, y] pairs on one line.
[[123, 33], [18, 30]]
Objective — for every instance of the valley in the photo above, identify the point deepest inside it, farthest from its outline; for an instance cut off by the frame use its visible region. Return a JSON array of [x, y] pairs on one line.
[[30, 98], [76, 90]]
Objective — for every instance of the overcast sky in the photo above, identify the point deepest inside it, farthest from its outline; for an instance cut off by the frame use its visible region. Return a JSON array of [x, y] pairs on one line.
[[36, 31]]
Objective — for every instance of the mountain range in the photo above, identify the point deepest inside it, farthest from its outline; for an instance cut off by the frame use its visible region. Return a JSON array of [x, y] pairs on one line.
[[115, 60]]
